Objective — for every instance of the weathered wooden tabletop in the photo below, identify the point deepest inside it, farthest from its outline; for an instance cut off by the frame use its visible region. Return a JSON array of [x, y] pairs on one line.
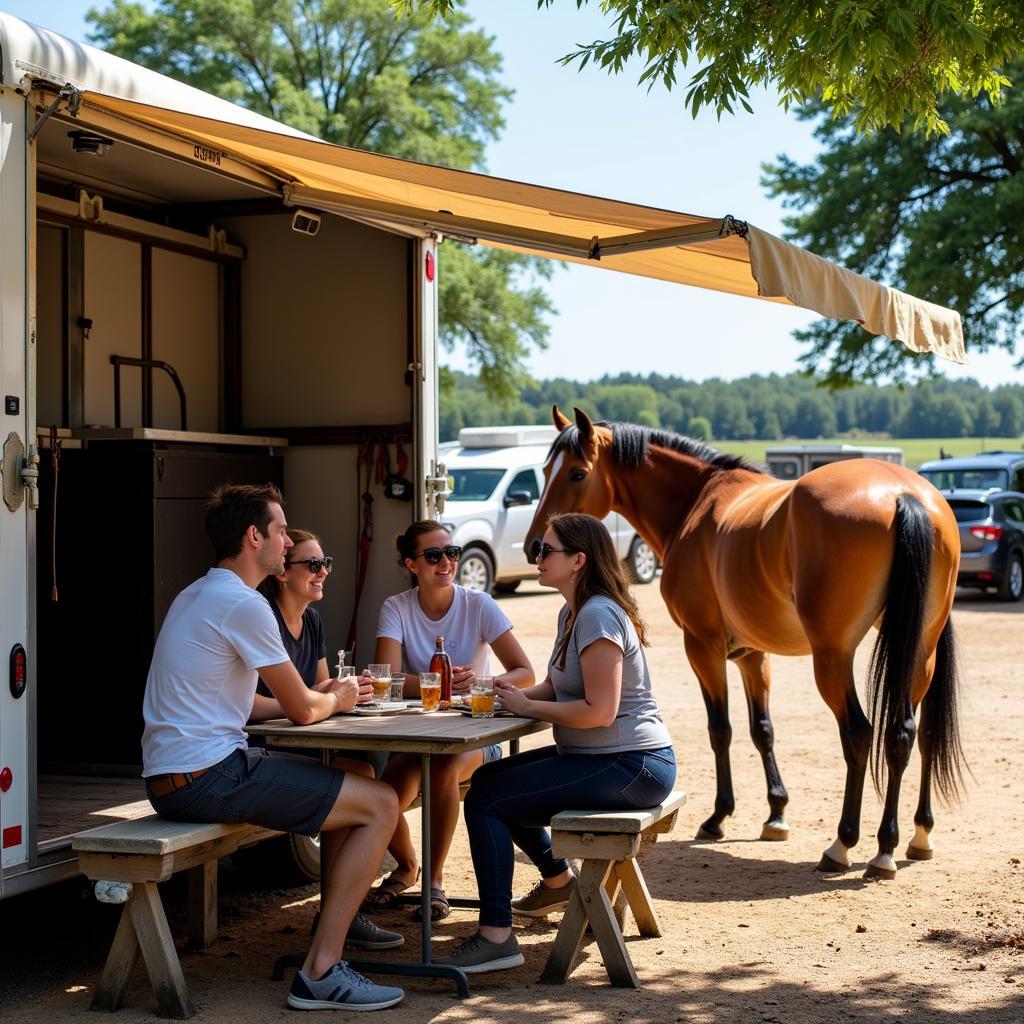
[[443, 732]]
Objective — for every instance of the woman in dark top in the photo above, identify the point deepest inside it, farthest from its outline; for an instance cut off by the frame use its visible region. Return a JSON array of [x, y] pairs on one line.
[[291, 596]]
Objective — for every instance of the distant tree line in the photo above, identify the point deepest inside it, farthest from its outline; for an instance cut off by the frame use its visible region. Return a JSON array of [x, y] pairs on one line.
[[764, 408]]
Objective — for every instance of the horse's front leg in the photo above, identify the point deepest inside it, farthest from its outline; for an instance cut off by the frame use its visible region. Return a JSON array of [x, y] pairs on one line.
[[708, 663], [755, 669]]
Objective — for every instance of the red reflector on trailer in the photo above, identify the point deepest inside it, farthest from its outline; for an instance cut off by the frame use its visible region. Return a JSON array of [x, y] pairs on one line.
[[12, 836], [6, 779]]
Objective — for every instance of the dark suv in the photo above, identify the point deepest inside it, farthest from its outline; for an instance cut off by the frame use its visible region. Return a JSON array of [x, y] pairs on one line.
[[985, 493]]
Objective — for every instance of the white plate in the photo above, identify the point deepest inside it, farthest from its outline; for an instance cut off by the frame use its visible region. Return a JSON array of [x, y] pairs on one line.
[[391, 708]]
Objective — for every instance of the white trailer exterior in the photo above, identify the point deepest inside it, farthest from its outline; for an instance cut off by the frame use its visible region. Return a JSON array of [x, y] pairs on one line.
[[294, 348]]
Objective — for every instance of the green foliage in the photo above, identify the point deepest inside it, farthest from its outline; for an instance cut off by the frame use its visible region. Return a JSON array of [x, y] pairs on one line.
[[348, 72], [699, 429], [881, 62], [940, 217], [770, 408]]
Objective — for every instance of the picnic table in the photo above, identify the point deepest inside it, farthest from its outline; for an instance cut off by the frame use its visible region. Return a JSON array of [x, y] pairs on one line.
[[441, 732]]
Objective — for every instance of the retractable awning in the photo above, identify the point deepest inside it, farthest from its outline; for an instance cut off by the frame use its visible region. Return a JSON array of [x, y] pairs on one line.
[[723, 254]]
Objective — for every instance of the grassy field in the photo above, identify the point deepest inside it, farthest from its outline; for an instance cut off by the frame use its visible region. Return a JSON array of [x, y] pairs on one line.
[[915, 449]]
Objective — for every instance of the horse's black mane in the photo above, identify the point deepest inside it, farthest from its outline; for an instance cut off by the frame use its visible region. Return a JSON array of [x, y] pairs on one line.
[[630, 444]]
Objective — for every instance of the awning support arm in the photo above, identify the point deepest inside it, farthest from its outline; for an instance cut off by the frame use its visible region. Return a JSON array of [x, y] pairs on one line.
[[664, 238], [68, 93]]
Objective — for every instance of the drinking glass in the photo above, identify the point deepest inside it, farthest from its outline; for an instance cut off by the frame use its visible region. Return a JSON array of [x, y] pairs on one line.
[[481, 696], [430, 690], [397, 687], [381, 678]]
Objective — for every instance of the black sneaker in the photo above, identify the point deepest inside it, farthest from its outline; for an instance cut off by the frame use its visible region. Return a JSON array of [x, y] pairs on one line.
[[364, 934], [341, 988], [478, 955]]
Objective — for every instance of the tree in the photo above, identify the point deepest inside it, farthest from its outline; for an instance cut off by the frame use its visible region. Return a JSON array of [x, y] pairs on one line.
[[940, 217], [883, 63], [347, 72], [699, 428]]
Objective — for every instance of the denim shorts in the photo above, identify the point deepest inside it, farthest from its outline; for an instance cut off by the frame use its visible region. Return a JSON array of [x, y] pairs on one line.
[[492, 753], [285, 792]]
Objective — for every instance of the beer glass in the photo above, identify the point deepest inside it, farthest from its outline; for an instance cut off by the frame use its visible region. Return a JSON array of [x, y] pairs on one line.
[[481, 696], [430, 690], [381, 679]]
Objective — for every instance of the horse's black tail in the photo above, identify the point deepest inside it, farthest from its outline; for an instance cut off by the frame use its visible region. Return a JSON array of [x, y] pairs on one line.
[[897, 652]]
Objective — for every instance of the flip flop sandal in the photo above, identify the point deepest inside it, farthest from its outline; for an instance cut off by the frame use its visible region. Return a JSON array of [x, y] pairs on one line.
[[439, 907], [385, 895]]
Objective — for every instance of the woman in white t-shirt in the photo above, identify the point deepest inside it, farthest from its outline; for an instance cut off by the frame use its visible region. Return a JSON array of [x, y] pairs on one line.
[[473, 626]]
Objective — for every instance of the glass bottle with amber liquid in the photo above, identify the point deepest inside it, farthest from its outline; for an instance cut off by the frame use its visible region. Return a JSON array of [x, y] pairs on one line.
[[442, 664]]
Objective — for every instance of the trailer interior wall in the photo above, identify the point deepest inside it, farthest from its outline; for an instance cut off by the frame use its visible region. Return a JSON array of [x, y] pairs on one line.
[[326, 330]]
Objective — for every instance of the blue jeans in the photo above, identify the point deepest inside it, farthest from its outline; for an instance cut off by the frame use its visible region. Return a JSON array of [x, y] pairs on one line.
[[514, 799]]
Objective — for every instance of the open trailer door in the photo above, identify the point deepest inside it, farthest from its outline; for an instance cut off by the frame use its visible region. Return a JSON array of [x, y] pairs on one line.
[[432, 482]]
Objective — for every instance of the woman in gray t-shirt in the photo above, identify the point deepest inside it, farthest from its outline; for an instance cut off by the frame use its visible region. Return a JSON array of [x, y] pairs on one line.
[[612, 750]]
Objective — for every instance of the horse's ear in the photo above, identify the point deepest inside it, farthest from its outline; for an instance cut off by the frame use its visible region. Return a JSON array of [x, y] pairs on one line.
[[560, 421], [586, 427]]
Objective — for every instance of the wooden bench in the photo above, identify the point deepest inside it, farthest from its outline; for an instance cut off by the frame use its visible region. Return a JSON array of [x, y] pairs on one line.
[[608, 843], [144, 852]]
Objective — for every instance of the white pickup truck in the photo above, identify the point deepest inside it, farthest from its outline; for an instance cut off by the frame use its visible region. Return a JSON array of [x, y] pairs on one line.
[[495, 479]]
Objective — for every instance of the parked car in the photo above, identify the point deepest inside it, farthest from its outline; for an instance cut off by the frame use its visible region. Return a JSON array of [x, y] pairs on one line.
[[991, 540], [495, 478], [793, 460], [986, 471]]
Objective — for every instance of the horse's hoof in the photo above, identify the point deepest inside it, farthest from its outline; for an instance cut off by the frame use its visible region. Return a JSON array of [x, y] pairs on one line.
[[876, 872], [775, 831], [920, 853], [710, 831], [828, 864]]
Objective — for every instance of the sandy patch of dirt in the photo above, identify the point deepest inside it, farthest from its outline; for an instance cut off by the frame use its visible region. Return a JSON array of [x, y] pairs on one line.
[[751, 931]]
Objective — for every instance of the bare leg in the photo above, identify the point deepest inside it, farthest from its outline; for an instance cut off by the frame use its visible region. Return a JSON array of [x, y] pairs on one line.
[[403, 775], [365, 812], [446, 772]]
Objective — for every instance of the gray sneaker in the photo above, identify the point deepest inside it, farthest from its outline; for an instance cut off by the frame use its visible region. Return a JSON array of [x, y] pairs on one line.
[[477, 955], [341, 988], [542, 899], [364, 934]]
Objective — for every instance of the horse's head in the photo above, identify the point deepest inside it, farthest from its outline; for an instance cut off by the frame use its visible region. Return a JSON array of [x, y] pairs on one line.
[[575, 475]]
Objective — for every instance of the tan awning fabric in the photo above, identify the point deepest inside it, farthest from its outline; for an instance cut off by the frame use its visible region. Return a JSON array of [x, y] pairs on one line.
[[552, 223]]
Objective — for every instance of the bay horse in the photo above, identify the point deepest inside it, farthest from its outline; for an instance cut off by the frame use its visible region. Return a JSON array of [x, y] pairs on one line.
[[753, 565]]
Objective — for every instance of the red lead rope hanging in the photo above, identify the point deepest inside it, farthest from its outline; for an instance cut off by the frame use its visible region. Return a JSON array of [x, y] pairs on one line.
[[363, 460]]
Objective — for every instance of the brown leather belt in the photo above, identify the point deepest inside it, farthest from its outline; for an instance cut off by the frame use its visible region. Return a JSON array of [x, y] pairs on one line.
[[165, 785]]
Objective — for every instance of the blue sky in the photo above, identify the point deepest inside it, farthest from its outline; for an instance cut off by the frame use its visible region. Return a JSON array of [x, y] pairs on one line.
[[594, 133]]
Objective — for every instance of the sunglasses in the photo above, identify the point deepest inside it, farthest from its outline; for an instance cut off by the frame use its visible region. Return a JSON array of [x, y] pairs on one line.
[[546, 549], [314, 564], [433, 555]]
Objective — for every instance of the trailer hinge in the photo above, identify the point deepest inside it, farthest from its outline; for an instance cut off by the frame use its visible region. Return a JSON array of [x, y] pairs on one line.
[[437, 490], [68, 94]]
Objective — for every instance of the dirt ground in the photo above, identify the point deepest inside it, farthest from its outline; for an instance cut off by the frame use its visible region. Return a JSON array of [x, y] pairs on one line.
[[751, 931]]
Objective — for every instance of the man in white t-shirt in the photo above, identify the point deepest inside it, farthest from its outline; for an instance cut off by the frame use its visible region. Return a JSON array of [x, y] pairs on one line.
[[219, 635]]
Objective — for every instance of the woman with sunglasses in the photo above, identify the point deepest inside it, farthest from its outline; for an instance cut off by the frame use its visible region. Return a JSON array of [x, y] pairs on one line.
[[612, 750], [291, 597], [473, 626]]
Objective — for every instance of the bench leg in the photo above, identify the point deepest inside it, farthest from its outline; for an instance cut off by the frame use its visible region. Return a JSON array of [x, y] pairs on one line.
[[590, 903], [202, 905], [117, 971], [606, 929], [616, 896], [158, 951], [570, 932], [635, 891]]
